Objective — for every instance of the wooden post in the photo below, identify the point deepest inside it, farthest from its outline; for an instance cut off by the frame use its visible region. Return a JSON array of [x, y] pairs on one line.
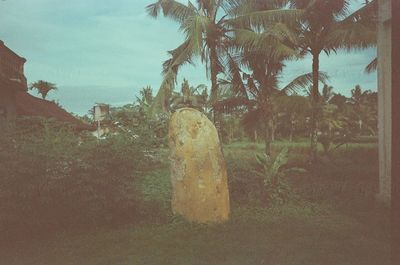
[[384, 100], [395, 192]]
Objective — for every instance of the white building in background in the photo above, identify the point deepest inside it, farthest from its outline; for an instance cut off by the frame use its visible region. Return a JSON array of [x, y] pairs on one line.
[[101, 114]]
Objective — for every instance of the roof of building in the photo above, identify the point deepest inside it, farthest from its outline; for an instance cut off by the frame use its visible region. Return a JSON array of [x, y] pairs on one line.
[[28, 105], [11, 70], [2, 45]]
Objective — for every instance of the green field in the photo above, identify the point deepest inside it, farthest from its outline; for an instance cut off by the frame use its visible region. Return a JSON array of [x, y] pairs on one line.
[[332, 219]]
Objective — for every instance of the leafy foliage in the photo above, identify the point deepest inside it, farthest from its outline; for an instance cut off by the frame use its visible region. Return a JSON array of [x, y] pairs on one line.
[[192, 97], [136, 119], [43, 87], [274, 174], [52, 178], [205, 38]]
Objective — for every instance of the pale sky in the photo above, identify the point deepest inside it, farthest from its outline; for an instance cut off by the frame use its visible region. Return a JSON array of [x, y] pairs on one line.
[[107, 50]]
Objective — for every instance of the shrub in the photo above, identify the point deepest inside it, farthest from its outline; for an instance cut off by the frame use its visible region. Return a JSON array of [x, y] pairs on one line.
[[274, 173], [151, 129], [52, 177]]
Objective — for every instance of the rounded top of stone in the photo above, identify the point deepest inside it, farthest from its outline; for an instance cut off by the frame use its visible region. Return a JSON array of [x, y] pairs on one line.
[[186, 109]]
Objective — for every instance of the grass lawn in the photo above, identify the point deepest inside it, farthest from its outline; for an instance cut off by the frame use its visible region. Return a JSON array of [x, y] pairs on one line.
[[333, 220]]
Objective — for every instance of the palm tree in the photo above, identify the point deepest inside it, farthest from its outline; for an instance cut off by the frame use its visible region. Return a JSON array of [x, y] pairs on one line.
[[205, 37], [321, 25], [326, 26], [43, 87], [146, 94], [327, 94], [339, 100], [263, 50], [332, 116], [193, 97], [293, 110], [364, 107], [145, 99], [262, 101], [372, 66]]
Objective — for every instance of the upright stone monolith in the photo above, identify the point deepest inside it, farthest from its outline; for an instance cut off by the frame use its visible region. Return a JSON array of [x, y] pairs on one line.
[[198, 170]]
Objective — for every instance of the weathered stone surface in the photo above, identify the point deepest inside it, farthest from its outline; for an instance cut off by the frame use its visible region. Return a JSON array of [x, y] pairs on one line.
[[198, 170]]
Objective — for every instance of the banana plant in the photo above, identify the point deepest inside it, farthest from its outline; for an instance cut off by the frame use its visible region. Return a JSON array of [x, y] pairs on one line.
[[274, 172]]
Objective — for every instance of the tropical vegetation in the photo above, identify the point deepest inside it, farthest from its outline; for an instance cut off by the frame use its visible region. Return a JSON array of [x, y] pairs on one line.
[[42, 87], [70, 197], [246, 44]]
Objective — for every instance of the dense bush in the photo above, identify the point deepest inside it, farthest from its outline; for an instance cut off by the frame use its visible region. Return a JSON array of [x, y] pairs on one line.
[[52, 177], [139, 121], [262, 180], [275, 172]]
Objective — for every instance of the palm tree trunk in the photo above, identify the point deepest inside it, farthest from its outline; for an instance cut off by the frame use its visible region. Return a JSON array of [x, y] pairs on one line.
[[291, 129], [214, 87], [315, 99], [267, 138], [273, 130], [214, 73]]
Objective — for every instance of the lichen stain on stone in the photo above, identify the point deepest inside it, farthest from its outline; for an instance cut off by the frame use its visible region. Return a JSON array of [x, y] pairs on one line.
[[193, 130]]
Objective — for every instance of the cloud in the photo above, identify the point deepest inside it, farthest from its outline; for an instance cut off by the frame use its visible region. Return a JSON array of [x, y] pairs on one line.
[[98, 50]]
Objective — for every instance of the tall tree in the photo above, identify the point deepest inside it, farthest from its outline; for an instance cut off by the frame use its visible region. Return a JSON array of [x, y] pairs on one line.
[[261, 51], [293, 111], [263, 43], [205, 36], [262, 101], [43, 87], [323, 26], [145, 99], [327, 93], [327, 26], [364, 108]]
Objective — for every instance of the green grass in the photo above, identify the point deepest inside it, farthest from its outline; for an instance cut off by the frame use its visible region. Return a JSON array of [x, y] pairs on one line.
[[333, 220], [301, 144], [291, 235]]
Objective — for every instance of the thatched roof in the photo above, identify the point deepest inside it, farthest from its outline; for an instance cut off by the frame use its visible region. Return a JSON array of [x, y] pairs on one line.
[[28, 105]]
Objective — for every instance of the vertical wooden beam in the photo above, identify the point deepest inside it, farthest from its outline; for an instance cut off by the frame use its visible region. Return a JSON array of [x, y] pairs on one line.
[[384, 99], [395, 201]]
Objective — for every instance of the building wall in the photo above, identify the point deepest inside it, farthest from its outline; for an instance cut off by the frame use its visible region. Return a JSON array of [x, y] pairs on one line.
[[12, 67], [12, 79], [384, 99], [7, 109]]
